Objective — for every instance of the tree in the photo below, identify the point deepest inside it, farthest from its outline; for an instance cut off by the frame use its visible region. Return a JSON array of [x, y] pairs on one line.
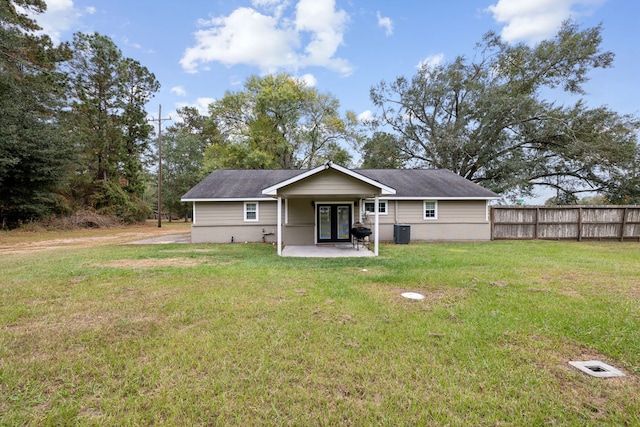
[[183, 147], [383, 150], [109, 126], [33, 151], [624, 188], [278, 122], [139, 85], [486, 119]]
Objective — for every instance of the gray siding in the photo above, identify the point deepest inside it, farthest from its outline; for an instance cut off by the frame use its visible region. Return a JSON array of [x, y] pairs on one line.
[[232, 213], [434, 232], [300, 228], [411, 211], [224, 234], [457, 220], [301, 212], [217, 222]]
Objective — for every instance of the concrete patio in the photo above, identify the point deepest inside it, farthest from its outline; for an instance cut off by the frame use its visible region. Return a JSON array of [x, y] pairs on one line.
[[326, 251]]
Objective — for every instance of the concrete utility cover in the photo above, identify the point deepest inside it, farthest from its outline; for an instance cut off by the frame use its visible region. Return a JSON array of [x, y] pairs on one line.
[[412, 295], [597, 369]]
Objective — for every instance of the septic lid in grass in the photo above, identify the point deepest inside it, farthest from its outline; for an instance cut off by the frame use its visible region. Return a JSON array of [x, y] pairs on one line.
[[412, 295], [597, 369]]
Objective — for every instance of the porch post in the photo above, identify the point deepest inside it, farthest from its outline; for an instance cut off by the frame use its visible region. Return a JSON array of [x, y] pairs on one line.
[[376, 227], [279, 226]]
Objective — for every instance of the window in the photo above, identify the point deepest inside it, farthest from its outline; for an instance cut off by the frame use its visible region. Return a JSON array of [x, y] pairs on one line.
[[369, 207], [251, 211], [430, 210]]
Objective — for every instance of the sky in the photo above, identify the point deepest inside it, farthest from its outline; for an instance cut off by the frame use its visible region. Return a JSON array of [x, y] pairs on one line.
[[200, 49]]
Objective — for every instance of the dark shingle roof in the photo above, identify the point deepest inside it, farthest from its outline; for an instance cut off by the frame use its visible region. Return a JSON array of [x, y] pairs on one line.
[[238, 184], [427, 183], [419, 183]]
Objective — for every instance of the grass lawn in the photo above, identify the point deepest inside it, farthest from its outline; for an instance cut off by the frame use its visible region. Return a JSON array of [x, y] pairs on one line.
[[119, 334]]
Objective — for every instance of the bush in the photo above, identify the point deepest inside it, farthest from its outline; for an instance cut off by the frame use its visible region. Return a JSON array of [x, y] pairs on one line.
[[111, 199], [85, 219]]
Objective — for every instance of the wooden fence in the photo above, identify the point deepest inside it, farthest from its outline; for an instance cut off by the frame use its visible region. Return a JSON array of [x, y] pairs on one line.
[[565, 222]]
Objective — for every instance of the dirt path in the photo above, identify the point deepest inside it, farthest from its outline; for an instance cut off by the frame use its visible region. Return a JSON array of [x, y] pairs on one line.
[[22, 244]]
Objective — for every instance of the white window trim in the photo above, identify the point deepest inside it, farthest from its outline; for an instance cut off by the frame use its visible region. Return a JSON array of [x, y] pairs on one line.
[[424, 209], [380, 202], [257, 211]]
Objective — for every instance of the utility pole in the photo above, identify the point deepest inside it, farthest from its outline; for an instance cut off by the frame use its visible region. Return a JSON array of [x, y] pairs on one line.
[[159, 120]]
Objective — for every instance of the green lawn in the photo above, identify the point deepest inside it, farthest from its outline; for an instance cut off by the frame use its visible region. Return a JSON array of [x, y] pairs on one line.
[[234, 335]]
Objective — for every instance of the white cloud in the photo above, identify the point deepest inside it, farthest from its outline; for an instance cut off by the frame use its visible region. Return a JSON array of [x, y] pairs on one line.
[[532, 21], [269, 40], [129, 43], [179, 90], [309, 80], [60, 16], [326, 27], [266, 3], [200, 104], [244, 37], [386, 23], [431, 61], [277, 7], [365, 116]]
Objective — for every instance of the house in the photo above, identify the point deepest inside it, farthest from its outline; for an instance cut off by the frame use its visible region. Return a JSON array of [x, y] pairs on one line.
[[320, 205]]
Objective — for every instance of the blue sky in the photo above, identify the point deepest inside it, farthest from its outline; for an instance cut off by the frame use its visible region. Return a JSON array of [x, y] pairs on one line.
[[199, 49]]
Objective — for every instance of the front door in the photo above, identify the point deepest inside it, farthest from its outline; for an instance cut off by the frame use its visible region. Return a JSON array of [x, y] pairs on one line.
[[334, 222]]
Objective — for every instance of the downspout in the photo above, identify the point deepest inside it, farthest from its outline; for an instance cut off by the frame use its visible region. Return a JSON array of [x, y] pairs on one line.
[[395, 211]]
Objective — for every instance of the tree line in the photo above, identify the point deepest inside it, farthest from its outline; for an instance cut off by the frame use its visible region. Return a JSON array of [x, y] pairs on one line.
[[487, 119], [74, 132], [73, 128]]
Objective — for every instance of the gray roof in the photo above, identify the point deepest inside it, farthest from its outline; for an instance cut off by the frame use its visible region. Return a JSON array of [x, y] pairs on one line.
[[418, 183], [238, 184], [427, 183]]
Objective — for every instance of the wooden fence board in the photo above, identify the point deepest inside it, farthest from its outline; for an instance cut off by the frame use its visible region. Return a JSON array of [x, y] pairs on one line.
[[565, 222]]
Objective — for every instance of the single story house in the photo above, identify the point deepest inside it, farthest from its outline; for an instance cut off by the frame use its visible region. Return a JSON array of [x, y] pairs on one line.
[[320, 205]]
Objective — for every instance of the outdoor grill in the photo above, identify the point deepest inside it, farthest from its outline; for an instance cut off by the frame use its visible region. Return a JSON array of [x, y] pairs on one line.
[[359, 232]]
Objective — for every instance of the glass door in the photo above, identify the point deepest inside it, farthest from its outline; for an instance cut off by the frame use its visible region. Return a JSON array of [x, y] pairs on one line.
[[334, 223], [343, 222], [324, 223]]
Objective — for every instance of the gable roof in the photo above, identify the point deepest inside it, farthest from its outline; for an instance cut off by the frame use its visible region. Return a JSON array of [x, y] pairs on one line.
[[225, 184], [273, 190]]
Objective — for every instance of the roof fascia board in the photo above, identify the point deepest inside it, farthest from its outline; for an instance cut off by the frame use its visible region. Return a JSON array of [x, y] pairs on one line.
[[435, 198], [270, 199], [230, 199]]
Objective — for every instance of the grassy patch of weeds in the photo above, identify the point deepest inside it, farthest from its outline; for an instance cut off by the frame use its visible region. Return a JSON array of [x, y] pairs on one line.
[[235, 335]]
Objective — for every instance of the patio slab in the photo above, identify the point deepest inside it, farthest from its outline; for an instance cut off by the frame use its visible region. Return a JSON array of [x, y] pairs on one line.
[[326, 251]]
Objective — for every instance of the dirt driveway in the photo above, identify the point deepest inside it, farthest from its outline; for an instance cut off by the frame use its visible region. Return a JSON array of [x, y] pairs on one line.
[[25, 242]]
